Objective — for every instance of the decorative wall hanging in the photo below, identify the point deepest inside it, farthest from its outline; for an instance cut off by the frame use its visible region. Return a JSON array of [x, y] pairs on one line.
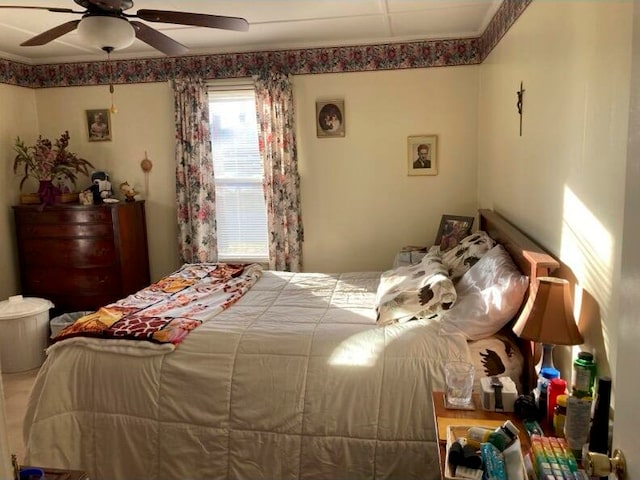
[[146, 165], [519, 104], [330, 119], [98, 125], [422, 156]]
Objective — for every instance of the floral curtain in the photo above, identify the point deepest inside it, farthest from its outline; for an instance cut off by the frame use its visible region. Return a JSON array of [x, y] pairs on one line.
[[274, 105], [195, 188]]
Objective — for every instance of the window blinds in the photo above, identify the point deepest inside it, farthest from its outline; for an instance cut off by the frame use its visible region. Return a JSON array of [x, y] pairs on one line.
[[240, 205]]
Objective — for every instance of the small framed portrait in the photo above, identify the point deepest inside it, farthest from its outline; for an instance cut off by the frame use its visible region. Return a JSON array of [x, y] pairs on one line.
[[330, 119], [98, 125], [422, 156], [452, 229]]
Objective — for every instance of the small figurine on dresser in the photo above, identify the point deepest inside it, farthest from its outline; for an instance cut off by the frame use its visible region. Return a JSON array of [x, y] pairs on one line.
[[86, 197], [101, 188], [128, 191]]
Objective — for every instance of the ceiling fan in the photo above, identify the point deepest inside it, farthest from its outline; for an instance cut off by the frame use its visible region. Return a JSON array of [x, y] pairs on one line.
[[105, 25]]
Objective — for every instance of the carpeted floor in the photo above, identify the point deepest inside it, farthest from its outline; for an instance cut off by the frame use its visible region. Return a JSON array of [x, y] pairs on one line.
[[16, 391]]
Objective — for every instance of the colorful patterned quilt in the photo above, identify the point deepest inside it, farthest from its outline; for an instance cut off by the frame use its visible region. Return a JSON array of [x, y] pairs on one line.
[[166, 311]]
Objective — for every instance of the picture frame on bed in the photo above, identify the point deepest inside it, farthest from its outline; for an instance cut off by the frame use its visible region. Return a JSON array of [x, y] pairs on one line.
[[453, 228], [330, 118], [422, 156], [98, 125]]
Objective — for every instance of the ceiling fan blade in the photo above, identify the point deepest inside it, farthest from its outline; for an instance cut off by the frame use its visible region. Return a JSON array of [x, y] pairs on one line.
[[158, 40], [49, 9], [55, 32], [196, 19]]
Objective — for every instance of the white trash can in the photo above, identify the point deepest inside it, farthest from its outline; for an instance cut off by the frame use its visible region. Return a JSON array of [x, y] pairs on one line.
[[24, 328]]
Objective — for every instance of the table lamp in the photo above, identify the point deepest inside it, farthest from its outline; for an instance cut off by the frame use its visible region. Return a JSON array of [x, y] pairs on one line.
[[548, 318]]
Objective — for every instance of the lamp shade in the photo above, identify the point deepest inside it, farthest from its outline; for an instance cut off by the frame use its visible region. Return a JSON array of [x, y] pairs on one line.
[[106, 32], [548, 315]]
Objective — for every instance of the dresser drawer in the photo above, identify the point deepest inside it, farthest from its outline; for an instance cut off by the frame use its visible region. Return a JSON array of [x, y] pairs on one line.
[[82, 256], [77, 252], [69, 230], [50, 281], [65, 215]]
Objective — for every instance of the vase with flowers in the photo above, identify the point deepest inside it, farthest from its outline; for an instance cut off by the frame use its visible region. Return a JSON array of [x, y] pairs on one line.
[[49, 162]]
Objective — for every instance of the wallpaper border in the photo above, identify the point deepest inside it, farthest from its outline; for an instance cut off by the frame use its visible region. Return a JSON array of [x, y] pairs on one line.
[[395, 56]]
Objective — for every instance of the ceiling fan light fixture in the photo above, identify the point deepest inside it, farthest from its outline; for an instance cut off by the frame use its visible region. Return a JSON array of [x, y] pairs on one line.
[[103, 31]]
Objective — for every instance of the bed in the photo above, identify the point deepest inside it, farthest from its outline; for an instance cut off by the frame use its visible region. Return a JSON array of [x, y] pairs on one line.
[[292, 379]]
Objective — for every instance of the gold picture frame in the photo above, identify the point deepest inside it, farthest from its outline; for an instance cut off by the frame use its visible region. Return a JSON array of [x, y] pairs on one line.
[[422, 155], [330, 118], [98, 125]]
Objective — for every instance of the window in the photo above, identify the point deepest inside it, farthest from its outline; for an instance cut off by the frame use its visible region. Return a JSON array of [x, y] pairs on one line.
[[241, 212]]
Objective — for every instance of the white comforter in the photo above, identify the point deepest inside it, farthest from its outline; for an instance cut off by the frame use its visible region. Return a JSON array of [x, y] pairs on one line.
[[294, 381]]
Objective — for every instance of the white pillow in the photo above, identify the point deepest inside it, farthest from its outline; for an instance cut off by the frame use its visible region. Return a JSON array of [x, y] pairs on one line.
[[489, 295], [417, 291]]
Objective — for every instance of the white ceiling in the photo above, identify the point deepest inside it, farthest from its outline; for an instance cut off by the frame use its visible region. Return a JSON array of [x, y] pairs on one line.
[[274, 25]]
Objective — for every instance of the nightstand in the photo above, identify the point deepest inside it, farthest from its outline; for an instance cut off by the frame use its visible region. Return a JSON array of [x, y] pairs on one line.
[[409, 255], [444, 416]]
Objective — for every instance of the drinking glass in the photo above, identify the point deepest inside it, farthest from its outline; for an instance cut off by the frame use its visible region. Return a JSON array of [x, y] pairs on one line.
[[459, 382]]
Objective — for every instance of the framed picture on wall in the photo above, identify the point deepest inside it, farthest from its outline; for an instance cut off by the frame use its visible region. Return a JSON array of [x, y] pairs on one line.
[[98, 125], [330, 118], [452, 229], [422, 155]]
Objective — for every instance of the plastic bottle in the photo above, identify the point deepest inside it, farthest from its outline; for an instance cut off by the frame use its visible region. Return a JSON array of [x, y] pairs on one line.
[[576, 425], [559, 415], [478, 435], [546, 375], [557, 386], [584, 375], [509, 430], [501, 437], [599, 433]]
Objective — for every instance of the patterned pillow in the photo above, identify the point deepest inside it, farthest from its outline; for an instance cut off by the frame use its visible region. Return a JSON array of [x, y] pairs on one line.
[[498, 355], [416, 291], [464, 255]]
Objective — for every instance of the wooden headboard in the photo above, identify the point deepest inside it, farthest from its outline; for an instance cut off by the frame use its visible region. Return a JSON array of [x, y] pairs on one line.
[[532, 261]]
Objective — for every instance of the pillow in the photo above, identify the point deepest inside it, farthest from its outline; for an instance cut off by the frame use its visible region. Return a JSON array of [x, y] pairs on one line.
[[498, 355], [464, 255], [416, 291], [489, 295]]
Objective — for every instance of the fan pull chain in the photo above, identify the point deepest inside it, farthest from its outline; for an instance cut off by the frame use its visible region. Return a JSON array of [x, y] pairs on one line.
[[113, 108]]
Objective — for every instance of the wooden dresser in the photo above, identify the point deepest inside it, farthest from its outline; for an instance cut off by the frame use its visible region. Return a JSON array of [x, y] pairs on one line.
[[82, 257]]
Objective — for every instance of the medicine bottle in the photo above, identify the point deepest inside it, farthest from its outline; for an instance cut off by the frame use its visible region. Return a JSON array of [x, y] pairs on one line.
[[559, 415], [546, 375], [509, 430], [576, 425], [599, 433], [478, 435], [584, 375], [557, 386], [501, 437]]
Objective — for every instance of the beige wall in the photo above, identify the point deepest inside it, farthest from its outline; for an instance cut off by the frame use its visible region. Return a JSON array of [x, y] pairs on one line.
[[359, 205], [144, 122], [563, 180], [18, 118]]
